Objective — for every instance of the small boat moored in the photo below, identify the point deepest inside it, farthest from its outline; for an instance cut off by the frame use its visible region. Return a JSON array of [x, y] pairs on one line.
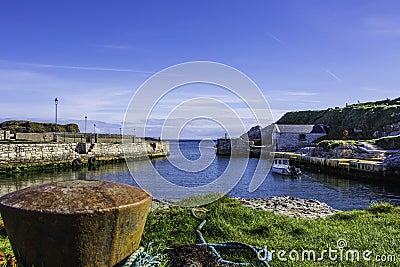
[[282, 166]]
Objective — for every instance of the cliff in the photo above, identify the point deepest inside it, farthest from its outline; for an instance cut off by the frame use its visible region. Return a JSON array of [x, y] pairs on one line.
[[37, 127], [362, 121]]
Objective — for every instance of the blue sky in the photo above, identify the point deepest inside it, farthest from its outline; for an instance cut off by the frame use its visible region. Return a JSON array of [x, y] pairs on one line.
[[93, 55]]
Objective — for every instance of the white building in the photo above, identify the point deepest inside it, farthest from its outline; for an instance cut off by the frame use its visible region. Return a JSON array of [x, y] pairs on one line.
[[293, 137]]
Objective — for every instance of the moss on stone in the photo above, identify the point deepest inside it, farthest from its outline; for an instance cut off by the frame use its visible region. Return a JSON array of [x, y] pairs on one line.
[[37, 127]]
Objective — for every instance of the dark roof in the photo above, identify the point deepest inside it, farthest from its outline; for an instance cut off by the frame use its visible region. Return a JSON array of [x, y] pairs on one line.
[[298, 128], [318, 128]]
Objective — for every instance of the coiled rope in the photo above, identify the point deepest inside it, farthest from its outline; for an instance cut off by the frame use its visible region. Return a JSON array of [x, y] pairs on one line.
[[256, 251], [142, 258]]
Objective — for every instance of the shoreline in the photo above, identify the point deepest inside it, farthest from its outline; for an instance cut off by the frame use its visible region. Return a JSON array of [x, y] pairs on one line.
[[283, 205], [346, 167]]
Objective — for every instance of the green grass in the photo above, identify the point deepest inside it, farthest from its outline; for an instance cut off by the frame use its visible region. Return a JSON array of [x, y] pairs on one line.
[[389, 142], [376, 229], [5, 245], [331, 144], [369, 117]]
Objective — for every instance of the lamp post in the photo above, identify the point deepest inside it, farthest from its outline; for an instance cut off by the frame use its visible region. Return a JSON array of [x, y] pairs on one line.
[[85, 123], [56, 102], [95, 134]]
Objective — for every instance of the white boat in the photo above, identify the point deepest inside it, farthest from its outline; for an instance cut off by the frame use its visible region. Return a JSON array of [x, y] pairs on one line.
[[283, 167]]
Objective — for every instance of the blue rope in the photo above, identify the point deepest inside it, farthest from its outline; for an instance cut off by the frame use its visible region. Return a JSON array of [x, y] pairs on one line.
[[256, 251]]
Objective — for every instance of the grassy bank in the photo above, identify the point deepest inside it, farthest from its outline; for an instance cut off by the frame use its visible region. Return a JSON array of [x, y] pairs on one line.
[[369, 117], [376, 229], [388, 143]]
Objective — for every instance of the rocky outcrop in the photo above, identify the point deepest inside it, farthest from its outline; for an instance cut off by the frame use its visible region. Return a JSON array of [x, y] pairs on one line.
[[362, 120], [342, 152], [388, 130], [291, 206], [37, 127], [286, 205], [253, 133], [392, 163]]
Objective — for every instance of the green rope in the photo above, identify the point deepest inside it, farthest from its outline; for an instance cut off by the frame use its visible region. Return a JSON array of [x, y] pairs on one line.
[[256, 251]]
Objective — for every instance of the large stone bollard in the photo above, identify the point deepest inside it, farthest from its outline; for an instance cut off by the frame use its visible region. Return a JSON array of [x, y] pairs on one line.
[[75, 223]]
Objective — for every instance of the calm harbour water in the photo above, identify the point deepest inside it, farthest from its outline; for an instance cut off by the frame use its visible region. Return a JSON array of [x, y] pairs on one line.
[[340, 193]]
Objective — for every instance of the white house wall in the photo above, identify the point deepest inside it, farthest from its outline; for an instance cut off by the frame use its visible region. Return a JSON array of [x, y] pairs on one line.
[[291, 141]]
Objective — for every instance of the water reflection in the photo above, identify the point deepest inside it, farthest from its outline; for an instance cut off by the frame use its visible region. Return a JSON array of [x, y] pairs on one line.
[[340, 193]]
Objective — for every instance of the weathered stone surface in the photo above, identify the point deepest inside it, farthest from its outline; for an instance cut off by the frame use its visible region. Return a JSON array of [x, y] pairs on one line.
[[66, 152], [75, 223], [290, 206], [343, 152], [392, 163], [287, 205]]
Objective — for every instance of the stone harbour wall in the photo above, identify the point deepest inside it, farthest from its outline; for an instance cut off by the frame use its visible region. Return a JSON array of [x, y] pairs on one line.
[[130, 150], [226, 146], [12, 154], [15, 154], [72, 137], [356, 168]]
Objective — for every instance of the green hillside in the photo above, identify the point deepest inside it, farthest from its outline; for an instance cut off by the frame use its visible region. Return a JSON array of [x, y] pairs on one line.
[[361, 120], [36, 127]]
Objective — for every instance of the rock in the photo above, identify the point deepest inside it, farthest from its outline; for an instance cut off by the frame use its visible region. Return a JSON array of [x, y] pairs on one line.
[[162, 204], [287, 205], [392, 163], [253, 133], [377, 134], [290, 206]]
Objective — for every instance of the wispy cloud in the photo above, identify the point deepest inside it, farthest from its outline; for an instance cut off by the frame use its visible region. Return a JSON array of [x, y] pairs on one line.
[[27, 93], [69, 67], [116, 47], [293, 93], [333, 75], [274, 38], [383, 26]]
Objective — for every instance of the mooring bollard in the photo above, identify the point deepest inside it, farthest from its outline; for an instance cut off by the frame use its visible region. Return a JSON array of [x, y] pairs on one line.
[[75, 222]]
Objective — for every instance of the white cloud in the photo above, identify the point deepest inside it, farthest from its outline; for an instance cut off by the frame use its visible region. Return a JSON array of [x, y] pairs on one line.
[[31, 94], [294, 93], [380, 25], [116, 47], [274, 37], [68, 67], [333, 75]]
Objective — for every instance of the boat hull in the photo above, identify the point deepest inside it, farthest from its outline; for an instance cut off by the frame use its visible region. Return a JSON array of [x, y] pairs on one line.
[[285, 171], [281, 171]]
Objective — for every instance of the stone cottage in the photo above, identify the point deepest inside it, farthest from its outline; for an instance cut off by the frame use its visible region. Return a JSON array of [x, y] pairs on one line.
[[292, 137]]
